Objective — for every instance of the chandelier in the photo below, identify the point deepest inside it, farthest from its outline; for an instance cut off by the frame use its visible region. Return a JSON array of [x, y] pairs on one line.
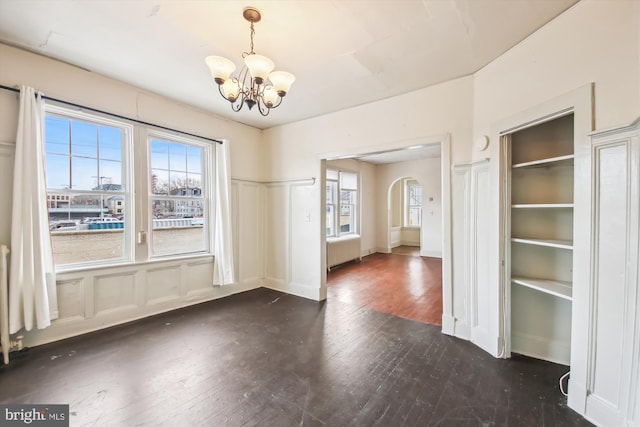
[[257, 83]]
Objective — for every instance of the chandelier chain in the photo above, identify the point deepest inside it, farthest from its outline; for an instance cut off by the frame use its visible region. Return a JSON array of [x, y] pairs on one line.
[[253, 32]]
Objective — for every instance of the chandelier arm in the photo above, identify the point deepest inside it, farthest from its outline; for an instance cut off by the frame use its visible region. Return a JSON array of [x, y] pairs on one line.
[[278, 103], [222, 93], [262, 108], [238, 104]]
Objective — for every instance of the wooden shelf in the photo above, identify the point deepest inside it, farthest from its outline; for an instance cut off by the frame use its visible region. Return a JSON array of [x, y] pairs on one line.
[[543, 163], [560, 244], [542, 205], [554, 287]]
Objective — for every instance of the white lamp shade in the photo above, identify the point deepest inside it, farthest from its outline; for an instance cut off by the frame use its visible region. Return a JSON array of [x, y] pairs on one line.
[[259, 66], [270, 96], [230, 89], [221, 68], [281, 81]]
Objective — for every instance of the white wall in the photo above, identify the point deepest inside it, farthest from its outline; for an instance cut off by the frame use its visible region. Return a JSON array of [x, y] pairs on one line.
[[594, 41], [424, 116], [92, 299]]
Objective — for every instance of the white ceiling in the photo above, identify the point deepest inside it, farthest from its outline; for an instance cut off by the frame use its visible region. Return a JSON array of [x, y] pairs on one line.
[[406, 154], [343, 52]]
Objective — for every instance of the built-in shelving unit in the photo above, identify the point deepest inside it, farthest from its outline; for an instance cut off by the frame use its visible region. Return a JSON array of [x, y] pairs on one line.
[[541, 240], [542, 206], [553, 287]]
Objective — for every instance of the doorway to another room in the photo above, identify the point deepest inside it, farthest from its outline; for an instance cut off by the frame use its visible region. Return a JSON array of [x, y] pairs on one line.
[[390, 258]]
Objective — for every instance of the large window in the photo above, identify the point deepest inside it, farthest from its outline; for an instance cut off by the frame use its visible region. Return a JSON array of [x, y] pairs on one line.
[[178, 197], [413, 204], [342, 202], [88, 189], [93, 191]]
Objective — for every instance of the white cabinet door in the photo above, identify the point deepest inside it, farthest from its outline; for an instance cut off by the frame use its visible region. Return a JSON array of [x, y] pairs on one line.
[[481, 322]]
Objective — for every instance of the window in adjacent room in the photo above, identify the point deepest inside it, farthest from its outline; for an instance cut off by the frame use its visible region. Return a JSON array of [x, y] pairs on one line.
[[413, 204], [341, 202]]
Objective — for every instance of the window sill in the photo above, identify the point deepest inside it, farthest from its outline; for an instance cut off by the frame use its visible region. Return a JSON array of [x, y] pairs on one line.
[[344, 237]]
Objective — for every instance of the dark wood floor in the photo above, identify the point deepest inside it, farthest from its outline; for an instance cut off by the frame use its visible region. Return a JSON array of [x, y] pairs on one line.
[[401, 283], [263, 358]]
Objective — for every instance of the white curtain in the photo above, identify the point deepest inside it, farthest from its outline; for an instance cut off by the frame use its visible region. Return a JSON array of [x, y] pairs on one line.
[[32, 279], [223, 269]]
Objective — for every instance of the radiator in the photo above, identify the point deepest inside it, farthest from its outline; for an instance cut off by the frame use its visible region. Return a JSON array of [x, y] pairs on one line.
[[5, 339], [342, 249]]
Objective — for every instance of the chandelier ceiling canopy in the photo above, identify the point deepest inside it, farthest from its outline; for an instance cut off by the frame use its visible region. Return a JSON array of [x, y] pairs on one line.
[[257, 83]]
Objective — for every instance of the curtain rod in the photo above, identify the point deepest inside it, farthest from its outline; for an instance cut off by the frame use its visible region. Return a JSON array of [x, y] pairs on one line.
[[95, 110]]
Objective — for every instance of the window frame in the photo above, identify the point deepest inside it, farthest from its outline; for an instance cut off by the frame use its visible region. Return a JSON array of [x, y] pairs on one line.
[[136, 177], [334, 183], [207, 190], [407, 206], [338, 205], [128, 183]]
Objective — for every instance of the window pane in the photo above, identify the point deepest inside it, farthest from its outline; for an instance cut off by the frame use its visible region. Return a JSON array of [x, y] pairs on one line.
[[84, 139], [110, 175], [415, 195], [57, 131], [415, 216], [82, 230], [110, 143], [84, 173], [159, 154], [346, 218], [178, 182], [194, 184], [178, 226], [57, 170], [348, 197], [159, 181], [332, 188], [177, 157], [331, 227], [194, 159]]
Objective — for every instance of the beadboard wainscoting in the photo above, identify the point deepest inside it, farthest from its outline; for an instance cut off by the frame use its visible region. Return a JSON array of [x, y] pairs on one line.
[[291, 210]]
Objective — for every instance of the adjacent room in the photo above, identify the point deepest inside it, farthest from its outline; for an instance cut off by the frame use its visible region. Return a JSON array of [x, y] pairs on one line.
[[331, 213]]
